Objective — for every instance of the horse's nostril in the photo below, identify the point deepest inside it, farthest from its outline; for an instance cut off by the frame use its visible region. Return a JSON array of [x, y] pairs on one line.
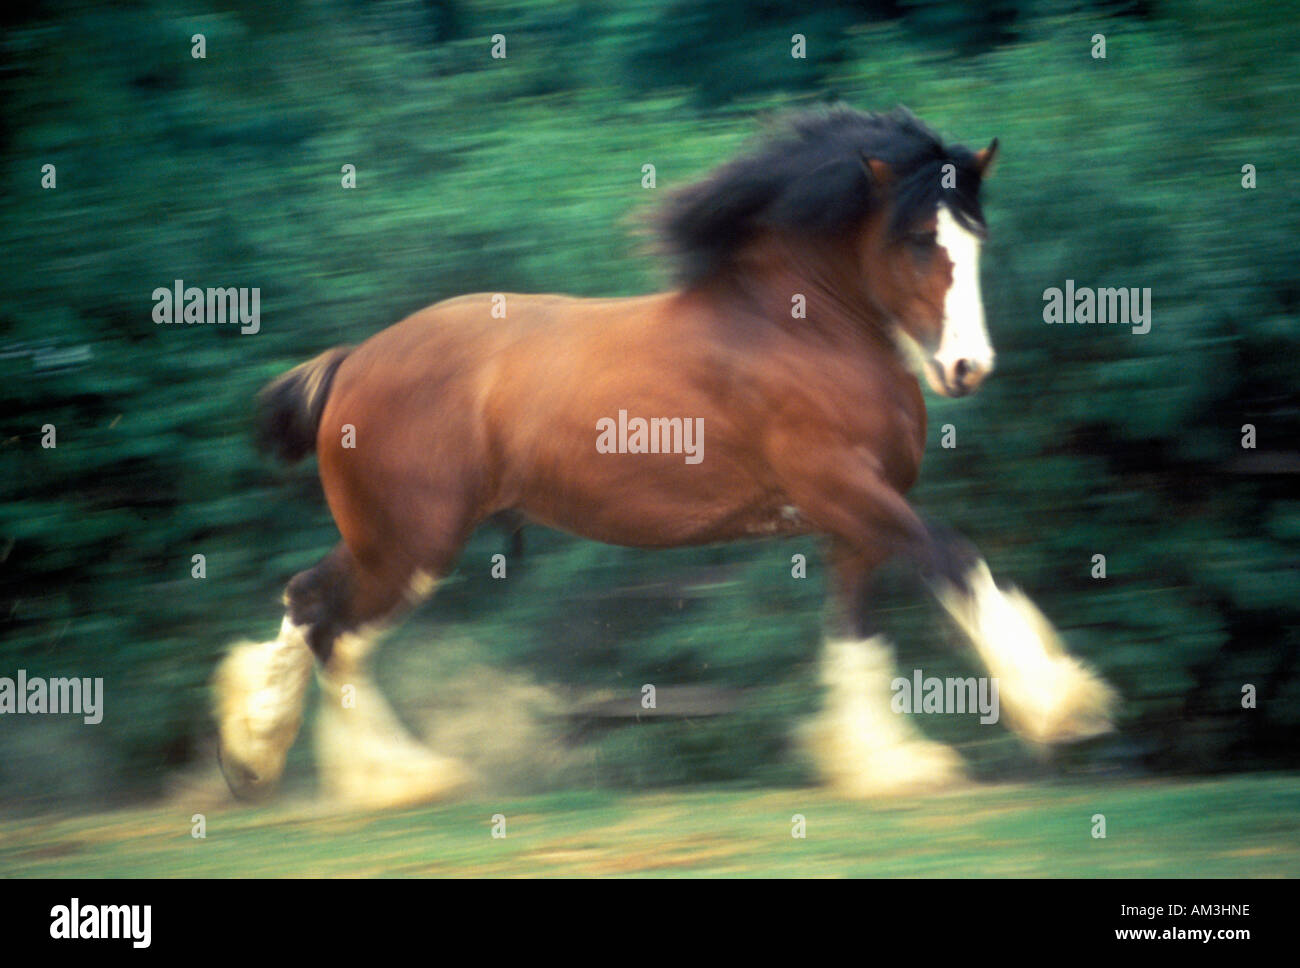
[[961, 369]]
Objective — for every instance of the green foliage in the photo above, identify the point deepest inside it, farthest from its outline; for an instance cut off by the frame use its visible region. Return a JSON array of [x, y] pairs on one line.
[[524, 174]]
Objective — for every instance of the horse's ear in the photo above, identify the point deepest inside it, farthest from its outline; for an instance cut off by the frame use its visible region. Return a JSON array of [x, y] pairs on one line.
[[985, 158], [879, 172]]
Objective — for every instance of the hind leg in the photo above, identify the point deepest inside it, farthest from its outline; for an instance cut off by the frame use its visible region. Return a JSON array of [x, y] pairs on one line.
[[259, 691], [335, 612], [366, 757]]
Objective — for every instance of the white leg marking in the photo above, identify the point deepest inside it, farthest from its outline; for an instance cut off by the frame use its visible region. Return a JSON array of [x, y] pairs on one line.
[[260, 689], [1048, 695], [367, 758], [420, 586], [860, 745]]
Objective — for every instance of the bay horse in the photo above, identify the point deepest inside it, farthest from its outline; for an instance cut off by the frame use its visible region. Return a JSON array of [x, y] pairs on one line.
[[820, 274]]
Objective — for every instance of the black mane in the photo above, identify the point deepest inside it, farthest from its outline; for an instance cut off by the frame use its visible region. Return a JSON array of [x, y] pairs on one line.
[[809, 177]]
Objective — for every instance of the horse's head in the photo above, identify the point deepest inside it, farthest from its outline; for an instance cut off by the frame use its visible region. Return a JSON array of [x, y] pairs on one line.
[[920, 253], [872, 208]]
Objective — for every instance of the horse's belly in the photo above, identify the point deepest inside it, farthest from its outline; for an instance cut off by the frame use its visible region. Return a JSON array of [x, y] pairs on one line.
[[666, 521]]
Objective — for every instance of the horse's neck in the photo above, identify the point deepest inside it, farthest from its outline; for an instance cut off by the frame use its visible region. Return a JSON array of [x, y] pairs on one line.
[[819, 297]]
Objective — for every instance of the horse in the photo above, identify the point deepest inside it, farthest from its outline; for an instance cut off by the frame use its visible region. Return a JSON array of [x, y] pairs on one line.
[[821, 275]]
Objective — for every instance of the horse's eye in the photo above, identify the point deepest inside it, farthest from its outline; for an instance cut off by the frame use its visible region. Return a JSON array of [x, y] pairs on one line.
[[924, 240]]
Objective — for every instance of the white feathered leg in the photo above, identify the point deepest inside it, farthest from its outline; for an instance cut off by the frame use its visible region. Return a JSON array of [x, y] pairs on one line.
[[259, 691], [367, 758], [861, 746], [1048, 695]]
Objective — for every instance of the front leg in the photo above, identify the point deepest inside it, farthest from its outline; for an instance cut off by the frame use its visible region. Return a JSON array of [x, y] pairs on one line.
[[860, 744], [1048, 695]]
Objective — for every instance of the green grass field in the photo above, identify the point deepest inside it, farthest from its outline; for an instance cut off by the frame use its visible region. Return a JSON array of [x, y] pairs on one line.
[[1239, 827]]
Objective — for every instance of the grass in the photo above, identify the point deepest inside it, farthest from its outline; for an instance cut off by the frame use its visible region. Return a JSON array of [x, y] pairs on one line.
[[1237, 827]]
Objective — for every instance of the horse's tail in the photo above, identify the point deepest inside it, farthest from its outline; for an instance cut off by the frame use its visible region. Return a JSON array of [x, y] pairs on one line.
[[290, 406]]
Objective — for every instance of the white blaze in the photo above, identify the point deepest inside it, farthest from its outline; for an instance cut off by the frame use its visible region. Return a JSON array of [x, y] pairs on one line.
[[965, 337]]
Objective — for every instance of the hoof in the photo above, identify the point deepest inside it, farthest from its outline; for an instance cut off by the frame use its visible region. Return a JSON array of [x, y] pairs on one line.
[[244, 784], [415, 777], [913, 768]]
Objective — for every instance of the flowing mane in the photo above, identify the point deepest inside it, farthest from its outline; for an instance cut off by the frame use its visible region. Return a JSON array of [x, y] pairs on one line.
[[809, 176]]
